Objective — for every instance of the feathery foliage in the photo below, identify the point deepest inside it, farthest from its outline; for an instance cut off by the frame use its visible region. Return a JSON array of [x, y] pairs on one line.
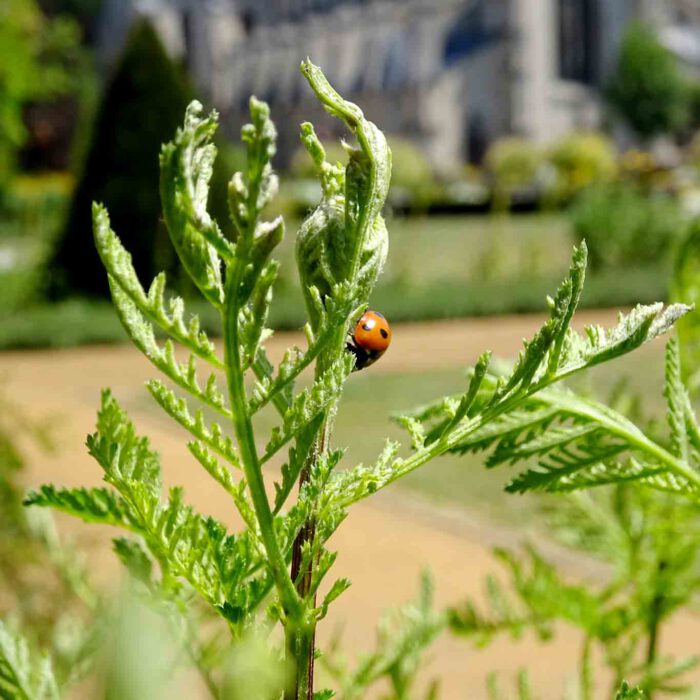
[[515, 411], [402, 637], [578, 442], [270, 571], [649, 546], [23, 676]]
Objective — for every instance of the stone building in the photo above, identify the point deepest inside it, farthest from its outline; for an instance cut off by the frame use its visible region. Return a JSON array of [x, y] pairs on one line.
[[450, 74]]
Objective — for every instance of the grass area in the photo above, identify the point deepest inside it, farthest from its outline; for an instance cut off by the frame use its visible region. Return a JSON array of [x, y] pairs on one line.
[[438, 267]]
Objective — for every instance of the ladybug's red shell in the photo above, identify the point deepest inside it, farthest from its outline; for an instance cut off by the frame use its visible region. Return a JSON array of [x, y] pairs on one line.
[[372, 333], [370, 339]]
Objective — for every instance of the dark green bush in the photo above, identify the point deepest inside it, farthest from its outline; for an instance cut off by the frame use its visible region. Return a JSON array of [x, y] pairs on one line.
[[648, 89], [142, 106], [625, 225]]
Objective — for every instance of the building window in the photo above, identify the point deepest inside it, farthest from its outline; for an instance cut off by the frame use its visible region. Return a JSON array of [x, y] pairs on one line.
[[397, 65], [578, 39]]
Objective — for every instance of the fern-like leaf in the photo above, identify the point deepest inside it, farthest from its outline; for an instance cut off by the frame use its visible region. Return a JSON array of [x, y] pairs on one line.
[[152, 305], [187, 545], [95, 505], [24, 674], [185, 170], [298, 455], [123, 455], [184, 375], [334, 314], [212, 436]]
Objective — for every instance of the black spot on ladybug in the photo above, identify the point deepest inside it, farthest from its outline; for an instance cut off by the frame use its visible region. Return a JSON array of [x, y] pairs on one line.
[[368, 325], [384, 333]]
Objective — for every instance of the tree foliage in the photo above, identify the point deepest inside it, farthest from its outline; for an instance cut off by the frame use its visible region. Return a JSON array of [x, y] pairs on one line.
[[141, 107], [40, 59], [648, 88]]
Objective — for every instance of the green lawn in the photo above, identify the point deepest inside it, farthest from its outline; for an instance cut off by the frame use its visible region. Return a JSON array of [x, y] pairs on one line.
[[451, 266], [438, 267]]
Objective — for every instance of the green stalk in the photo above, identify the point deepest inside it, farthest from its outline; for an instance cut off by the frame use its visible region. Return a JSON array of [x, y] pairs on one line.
[[243, 428], [354, 119], [586, 670], [304, 642]]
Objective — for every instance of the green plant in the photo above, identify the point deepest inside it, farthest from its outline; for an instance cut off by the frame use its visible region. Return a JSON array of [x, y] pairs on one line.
[[623, 225], [580, 160], [45, 598], [269, 574], [40, 60], [647, 88], [513, 163], [650, 542], [647, 527]]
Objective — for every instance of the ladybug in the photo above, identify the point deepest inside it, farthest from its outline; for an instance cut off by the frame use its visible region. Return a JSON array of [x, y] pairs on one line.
[[370, 339]]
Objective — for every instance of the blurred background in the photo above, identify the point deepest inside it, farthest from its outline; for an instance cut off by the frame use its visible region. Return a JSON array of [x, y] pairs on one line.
[[518, 127], [565, 118]]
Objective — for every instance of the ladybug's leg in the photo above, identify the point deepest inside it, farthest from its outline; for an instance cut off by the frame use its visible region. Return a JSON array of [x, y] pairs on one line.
[[371, 356], [351, 347], [362, 358]]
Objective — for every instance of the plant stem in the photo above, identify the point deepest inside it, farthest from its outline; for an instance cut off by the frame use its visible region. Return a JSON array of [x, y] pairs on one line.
[[304, 642], [357, 228], [304, 662], [654, 620], [586, 671], [244, 434], [300, 647]]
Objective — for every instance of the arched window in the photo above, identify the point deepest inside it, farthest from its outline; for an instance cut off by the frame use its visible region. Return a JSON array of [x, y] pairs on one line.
[[474, 29]]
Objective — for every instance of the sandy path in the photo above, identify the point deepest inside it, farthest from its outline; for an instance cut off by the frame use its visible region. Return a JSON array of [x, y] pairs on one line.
[[385, 542]]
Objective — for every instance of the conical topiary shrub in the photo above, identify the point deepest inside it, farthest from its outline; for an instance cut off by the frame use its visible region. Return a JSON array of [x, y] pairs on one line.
[[142, 106]]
